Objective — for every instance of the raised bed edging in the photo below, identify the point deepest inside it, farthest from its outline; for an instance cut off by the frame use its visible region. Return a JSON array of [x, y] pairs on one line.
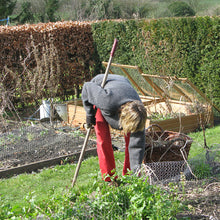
[[184, 124], [33, 167]]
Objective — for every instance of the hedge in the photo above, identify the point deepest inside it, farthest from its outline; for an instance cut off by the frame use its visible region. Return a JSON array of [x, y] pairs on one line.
[[60, 56], [47, 59], [185, 47]]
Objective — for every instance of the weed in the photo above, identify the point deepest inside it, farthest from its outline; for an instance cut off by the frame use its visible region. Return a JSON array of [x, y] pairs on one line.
[[30, 136], [135, 198], [44, 132], [78, 133]]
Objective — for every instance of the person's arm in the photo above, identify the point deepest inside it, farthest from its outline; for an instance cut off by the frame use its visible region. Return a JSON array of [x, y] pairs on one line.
[[136, 149]]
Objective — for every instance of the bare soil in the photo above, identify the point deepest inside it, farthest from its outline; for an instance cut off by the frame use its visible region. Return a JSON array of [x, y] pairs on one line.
[[202, 199], [28, 144]]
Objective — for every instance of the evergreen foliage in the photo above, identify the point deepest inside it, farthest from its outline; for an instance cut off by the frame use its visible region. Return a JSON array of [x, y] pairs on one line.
[[82, 10], [26, 15], [6, 8], [185, 47], [51, 7], [181, 9]]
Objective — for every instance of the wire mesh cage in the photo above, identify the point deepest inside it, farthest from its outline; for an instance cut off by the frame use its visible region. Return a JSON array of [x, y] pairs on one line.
[[166, 154], [165, 145], [166, 171]]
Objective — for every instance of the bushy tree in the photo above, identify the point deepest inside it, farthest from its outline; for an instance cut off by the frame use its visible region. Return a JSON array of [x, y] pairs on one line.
[[180, 9], [141, 11], [6, 8], [51, 7], [26, 15], [97, 9]]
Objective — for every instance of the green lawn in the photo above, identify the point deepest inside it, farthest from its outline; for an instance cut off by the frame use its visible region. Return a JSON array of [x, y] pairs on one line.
[[212, 136], [52, 180]]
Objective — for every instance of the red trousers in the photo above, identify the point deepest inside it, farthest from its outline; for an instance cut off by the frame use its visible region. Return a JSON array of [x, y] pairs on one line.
[[105, 150]]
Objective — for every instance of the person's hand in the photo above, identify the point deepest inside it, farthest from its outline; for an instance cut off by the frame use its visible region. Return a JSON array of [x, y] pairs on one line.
[[90, 121]]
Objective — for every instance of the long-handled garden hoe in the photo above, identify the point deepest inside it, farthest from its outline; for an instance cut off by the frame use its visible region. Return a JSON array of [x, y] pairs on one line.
[[89, 129]]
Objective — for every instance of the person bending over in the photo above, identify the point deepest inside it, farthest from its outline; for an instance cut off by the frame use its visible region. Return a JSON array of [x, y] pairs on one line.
[[117, 105]]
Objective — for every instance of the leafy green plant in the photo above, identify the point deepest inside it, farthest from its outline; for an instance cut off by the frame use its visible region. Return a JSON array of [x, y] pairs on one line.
[[30, 136], [155, 116], [50, 8], [25, 15], [44, 132], [133, 199], [78, 133]]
